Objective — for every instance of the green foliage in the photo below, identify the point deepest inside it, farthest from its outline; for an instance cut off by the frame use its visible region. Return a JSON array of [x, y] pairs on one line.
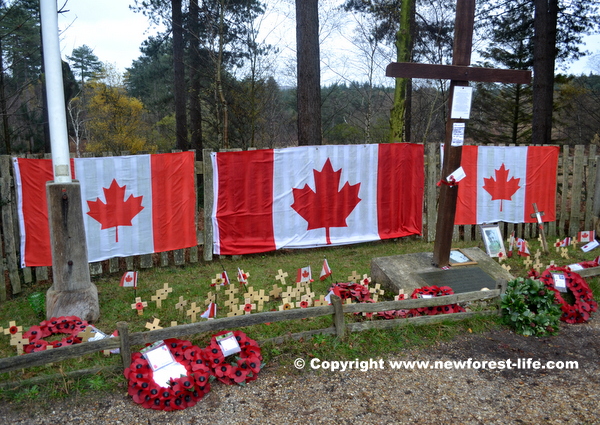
[[37, 301], [530, 308]]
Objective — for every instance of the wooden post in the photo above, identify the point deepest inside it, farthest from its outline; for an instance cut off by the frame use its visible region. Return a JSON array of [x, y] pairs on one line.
[[338, 316], [125, 345]]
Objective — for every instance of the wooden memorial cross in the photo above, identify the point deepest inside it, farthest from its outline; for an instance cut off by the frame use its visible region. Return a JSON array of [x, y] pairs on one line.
[[538, 215], [459, 74]]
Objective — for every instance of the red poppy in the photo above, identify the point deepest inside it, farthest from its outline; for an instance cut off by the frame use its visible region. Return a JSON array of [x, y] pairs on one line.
[[248, 308]]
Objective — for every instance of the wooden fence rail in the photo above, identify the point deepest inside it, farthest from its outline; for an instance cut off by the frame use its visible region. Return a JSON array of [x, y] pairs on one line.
[[576, 210], [338, 310]]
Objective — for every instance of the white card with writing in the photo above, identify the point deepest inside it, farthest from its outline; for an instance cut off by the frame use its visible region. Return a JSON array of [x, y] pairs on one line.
[[590, 245], [457, 175], [458, 134], [560, 282]]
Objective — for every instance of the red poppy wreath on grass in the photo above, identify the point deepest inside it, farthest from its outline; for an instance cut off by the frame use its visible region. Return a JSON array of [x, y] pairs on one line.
[[64, 325], [179, 393], [243, 368], [584, 304]]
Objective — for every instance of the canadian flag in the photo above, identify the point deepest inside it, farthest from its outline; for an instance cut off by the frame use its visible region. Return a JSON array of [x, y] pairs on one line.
[[132, 205], [502, 183], [325, 270], [586, 236], [304, 275], [129, 280], [315, 195], [565, 242]]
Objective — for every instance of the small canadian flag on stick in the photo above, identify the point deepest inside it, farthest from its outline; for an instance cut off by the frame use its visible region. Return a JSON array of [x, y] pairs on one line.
[[586, 236], [304, 275], [211, 311], [129, 280]]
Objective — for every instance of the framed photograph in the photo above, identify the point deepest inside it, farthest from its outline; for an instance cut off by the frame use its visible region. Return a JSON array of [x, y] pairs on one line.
[[492, 239], [458, 257]]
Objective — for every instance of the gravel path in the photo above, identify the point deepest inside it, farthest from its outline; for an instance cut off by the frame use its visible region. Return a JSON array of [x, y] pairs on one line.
[[382, 396]]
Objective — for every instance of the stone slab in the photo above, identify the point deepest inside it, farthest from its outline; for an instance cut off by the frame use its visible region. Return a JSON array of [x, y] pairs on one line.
[[412, 271]]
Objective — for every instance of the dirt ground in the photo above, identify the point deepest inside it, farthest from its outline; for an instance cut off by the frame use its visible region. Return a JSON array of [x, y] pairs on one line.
[[469, 396]]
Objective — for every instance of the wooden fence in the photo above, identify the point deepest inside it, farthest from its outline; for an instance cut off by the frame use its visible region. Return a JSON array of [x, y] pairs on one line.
[[576, 185], [337, 310]]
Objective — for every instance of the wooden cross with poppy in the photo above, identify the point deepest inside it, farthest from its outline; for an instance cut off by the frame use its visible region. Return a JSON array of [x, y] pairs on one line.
[[139, 305], [13, 329], [248, 305], [459, 74], [366, 280], [193, 311], [286, 304], [154, 325], [217, 281]]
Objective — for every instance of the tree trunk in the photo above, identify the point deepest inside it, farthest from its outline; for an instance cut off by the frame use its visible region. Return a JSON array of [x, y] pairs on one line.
[[195, 64], [400, 113], [179, 74], [545, 21], [309, 72]]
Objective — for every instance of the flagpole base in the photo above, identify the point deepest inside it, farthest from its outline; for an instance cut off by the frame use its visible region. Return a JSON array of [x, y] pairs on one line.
[[72, 292]]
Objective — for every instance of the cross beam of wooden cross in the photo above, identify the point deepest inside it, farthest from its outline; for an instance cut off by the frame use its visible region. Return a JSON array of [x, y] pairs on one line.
[[459, 74]]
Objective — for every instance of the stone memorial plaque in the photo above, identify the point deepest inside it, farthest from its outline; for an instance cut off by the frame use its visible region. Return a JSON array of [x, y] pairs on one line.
[[460, 279]]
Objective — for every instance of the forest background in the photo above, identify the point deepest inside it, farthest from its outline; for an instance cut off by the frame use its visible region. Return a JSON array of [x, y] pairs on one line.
[[206, 81]]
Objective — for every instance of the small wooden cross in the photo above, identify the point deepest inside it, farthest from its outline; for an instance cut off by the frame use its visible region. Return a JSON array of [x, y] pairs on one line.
[[286, 304], [166, 289], [564, 253], [154, 325], [232, 291], [218, 280], [354, 277], [551, 264], [304, 302], [557, 245], [249, 306], [275, 292], [574, 243], [86, 334], [289, 293], [251, 292], [538, 266], [210, 298], [231, 302], [173, 323], [506, 267], [193, 311], [538, 254], [139, 305], [181, 304], [401, 295], [376, 291], [281, 275], [261, 298], [236, 311], [528, 262], [20, 342], [366, 280], [320, 301]]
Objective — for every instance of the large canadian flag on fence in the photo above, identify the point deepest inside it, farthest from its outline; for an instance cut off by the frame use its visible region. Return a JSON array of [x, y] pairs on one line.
[[502, 183], [132, 205], [313, 196]]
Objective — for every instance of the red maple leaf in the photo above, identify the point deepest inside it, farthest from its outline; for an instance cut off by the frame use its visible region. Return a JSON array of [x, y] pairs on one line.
[[501, 187], [326, 206], [115, 212]]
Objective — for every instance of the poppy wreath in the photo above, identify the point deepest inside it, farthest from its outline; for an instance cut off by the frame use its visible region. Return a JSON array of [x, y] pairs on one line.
[[68, 325], [434, 291], [356, 291], [245, 366], [584, 304], [182, 392]]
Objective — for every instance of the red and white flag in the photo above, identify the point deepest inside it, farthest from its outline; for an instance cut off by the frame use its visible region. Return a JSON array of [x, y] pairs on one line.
[[523, 250], [129, 280], [211, 311], [304, 275], [132, 205], [325, 270], [565, 242], [586, 236], [242, 277], [503, 182], [315, 195]]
